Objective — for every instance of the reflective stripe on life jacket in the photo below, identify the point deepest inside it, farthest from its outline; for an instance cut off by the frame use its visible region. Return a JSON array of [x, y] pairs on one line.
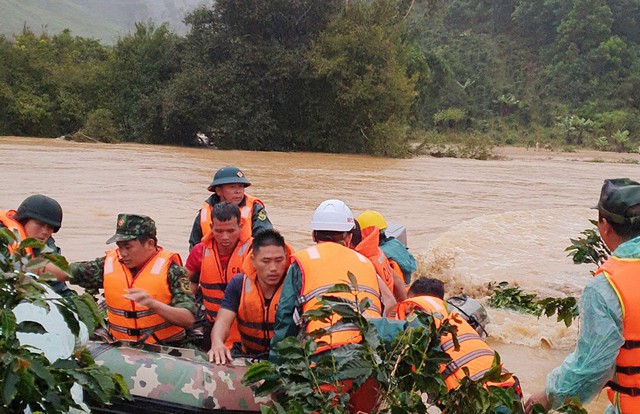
[[324, 265], [369, 248], [255, 318], [474, 353], [7, 218], [624, 389], [246, 217], [129, 320]]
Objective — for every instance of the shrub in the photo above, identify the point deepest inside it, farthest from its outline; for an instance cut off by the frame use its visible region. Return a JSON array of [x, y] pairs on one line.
[[100, 126]]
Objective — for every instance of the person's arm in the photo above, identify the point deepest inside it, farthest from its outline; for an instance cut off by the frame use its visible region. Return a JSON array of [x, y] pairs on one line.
[[259, 219], [584, 372], [219, 353], [399, 288], [196, 232], [177, 316], [89, 275], [193, 266], [388, 301], [285, 325]]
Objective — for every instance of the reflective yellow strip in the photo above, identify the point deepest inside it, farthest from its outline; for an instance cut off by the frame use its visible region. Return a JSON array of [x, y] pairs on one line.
[[615, 289]]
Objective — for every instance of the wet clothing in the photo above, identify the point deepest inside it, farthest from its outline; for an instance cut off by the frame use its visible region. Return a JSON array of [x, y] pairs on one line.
[[398, 253], [592, 364], [259, 219], [90, 275], [129, 320], [7, 220], [290, 308]]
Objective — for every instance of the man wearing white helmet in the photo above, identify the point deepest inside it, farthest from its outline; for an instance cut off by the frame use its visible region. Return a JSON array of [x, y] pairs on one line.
[[318, 268]]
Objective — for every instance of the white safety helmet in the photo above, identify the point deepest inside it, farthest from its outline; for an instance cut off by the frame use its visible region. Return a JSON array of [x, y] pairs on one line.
[[332, 215]]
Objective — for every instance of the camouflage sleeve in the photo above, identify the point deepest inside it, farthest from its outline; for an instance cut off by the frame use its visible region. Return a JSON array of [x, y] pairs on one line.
[[181, 296], [196, 232], [259, 219], [89, 275]]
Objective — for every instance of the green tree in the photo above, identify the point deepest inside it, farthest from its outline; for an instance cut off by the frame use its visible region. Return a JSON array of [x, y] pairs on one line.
[[141, 66], [360, 62]]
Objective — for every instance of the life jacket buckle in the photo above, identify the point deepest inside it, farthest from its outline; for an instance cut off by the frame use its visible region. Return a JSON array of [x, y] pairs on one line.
[[130, 314], [133, 332]]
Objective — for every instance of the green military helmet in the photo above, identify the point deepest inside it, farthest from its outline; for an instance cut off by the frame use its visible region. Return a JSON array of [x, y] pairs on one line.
[[228, 175], [42, 208]]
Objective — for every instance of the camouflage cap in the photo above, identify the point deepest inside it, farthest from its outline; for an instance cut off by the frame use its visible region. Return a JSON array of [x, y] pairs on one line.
[[618, 195], [132, 226]]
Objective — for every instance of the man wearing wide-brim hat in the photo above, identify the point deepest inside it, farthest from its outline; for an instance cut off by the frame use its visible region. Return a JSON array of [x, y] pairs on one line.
[[607, 353], [229, 184], [145, 287]]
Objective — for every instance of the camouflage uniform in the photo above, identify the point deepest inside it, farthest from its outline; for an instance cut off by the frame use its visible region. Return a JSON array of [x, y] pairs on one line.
[[90, 274]]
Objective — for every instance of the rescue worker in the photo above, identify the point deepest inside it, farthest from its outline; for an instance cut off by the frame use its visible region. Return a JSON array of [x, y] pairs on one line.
[[316, 269], [365, 242], [38, 216], [229, 184], [145, 287], [607, 353], [213, 262], [252, 298], [401, 260], [427, 294]]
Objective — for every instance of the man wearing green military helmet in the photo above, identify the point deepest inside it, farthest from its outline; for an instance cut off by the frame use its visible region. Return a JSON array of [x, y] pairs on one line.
[[38, 217], [229, 184], [607, 353], [144, 285]]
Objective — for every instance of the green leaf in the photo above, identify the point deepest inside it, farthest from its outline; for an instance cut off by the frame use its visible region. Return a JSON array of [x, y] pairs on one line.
[[7, 323], [69, 318], [31, 327], [9, 389], [32, 243]]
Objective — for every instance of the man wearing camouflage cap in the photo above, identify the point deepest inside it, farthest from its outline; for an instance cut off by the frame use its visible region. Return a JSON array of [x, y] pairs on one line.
[[607, 353], [229, 184], [144, 285]]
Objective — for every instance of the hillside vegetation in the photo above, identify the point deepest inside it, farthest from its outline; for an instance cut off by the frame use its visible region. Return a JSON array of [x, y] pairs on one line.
[[455, 76]]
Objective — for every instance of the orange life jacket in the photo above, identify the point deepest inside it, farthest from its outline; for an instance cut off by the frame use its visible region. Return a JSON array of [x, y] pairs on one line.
[[255, 318], [474, 353], [246, 215], [129, 320], [624, 389], [324, 265], [370, 249], [7, 218], [214, 279]]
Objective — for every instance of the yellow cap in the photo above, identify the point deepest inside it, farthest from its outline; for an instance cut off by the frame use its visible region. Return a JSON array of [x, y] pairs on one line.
[[370, 218]]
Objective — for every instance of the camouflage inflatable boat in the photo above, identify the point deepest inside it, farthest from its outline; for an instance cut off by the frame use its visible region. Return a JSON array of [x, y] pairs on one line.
[[174, 380]]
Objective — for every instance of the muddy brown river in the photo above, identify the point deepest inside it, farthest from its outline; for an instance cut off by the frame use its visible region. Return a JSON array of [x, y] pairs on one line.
[[471, 222]]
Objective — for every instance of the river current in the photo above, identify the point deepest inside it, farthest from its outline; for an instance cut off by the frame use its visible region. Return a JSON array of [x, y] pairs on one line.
[[471, 222]]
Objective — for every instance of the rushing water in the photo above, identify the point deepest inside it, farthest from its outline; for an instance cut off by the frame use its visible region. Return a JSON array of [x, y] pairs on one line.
[[472, 221]]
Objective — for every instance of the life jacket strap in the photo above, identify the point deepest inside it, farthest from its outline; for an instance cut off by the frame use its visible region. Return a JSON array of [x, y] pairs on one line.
[[631, 391]]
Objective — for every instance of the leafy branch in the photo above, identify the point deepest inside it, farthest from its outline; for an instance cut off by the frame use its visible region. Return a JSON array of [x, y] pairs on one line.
[[512, 297], [28, 379]]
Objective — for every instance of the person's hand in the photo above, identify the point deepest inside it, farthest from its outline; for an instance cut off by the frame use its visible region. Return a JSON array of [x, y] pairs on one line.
[[219, 353], [140, 296], [539, 397]]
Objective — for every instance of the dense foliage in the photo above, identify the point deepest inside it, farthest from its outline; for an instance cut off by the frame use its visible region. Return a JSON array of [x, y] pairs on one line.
[[28, 378], [365, 76]]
